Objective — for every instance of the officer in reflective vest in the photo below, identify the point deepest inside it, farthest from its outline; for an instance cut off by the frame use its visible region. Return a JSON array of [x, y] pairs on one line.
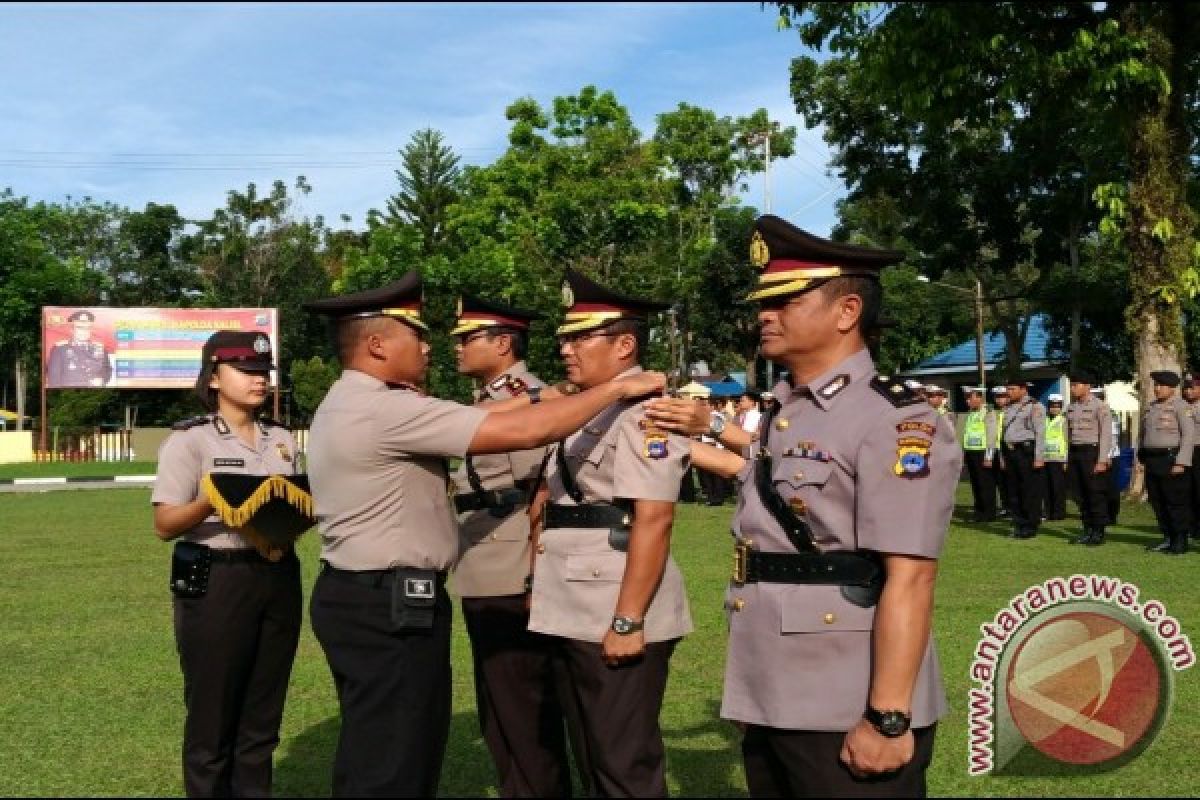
[[1055, 493], [1000, 401], [979, 447]]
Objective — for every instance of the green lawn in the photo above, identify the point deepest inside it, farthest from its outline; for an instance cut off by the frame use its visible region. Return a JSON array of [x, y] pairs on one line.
[[69, 469], [90, 691]]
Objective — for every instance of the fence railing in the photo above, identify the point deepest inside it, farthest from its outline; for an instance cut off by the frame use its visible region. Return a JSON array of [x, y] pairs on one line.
[[75, 445]]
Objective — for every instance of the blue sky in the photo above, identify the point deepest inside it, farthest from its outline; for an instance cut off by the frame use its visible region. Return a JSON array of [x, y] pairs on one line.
[[180, 103]]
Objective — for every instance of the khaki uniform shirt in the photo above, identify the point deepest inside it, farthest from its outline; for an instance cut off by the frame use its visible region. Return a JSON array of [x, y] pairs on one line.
[[1169, 423], [494, 551], [377, 468], [870, 476], [187, 455], [1026, 422], [1090, 422], [578, 574]]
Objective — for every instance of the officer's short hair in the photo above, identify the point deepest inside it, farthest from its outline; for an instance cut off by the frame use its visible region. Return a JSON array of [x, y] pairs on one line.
[[519, 338], [635, 327], [352, 330], [869, 289]]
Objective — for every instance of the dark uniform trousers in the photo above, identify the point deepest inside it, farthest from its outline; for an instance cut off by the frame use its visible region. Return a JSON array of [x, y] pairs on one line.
[[393, 685], [619, 709], [518, 686], [786, 763], [1000, 479], [983, 485], [236, 644], [1090, 489], [715, 487], [1054, 496], [1194, 474], [1170, 496], [1024, 486]]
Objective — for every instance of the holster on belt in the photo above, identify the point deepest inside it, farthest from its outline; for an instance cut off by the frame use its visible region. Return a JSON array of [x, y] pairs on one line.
[[414, 597], [498, 502], [190, 565], [618, 520]]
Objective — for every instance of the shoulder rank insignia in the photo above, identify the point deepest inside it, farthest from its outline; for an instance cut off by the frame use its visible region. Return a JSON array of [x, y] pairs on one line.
[[830, 390], [912, 457], [895, 391], [654, 440], [186, 424]]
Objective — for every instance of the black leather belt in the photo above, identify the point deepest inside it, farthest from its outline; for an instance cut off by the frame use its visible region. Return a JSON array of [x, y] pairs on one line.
[[1157, 452], [1081, 445], [587, 515], [381, 577], [507, 499], [838, 568], [1028, 445], [239, 556]]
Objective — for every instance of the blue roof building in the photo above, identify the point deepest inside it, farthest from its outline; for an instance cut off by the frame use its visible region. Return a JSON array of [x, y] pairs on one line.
[[958, 367]]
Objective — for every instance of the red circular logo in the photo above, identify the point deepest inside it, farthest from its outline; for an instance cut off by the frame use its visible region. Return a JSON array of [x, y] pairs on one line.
[[1085, 688]]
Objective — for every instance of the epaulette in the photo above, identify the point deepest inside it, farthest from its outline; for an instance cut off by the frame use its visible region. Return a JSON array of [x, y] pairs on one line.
[[192, 422], [895, 391]]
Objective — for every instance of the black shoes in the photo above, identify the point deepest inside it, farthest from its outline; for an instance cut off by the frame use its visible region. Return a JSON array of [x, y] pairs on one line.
[[1162, 547]]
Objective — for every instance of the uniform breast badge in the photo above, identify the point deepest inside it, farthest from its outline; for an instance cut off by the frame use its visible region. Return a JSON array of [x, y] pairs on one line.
[[283, 451], [912, 457]]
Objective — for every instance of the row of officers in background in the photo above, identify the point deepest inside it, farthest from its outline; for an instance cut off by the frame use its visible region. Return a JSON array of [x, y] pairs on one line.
[[1034, 457], [556, 532]]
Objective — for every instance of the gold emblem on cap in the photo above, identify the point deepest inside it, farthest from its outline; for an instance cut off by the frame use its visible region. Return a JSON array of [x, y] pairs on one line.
[[568, 296], [760, 254], [781, 424]]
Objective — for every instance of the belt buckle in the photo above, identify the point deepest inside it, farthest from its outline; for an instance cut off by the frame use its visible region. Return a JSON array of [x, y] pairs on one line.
[[741, 555]]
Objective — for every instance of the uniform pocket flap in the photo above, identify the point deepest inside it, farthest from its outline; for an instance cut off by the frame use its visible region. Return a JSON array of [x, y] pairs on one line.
[[602, 567], [588, 447], [799, 472], [823, 611]]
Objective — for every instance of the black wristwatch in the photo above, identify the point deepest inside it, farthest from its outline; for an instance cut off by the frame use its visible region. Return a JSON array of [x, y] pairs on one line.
[[535, 395], [891, 724], [623, 626]]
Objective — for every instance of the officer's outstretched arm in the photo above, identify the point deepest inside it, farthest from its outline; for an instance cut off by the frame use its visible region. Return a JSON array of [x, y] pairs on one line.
[[534, 426], [725, 463], [693, 418]]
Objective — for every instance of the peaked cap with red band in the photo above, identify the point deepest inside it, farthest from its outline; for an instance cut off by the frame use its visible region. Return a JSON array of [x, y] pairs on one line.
[[794, 261], [249, 351], [590, 305], [400, 299], [475, 314]]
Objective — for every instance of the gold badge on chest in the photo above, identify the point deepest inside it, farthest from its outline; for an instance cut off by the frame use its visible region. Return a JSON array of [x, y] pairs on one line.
[[284, 453]]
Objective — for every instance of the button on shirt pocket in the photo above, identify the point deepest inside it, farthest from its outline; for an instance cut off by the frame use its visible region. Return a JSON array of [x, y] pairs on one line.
[[596, 567], [801, 473], [821, 609]]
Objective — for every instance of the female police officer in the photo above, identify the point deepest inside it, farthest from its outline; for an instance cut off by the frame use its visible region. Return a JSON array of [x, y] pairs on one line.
[[237, 604]]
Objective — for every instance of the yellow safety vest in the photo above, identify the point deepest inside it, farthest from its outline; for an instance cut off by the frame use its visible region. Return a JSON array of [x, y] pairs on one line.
[[975, 431], [1056, 438]]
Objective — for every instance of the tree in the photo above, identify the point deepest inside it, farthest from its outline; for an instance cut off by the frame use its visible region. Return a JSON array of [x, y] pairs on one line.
[[1037, 106], [311, 379], [429, 179]]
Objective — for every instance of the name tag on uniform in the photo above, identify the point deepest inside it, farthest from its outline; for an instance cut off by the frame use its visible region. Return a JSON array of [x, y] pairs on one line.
[[418, 588], [229, 462]]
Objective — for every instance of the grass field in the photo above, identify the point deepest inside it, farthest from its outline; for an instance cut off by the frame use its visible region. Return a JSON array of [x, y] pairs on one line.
[[91, 698], [68, 469]]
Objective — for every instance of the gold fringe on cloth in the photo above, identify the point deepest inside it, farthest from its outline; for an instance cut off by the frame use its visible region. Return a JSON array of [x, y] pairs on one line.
[[274, 486]]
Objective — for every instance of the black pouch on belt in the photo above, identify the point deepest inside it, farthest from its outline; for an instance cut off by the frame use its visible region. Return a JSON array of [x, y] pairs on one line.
[[414, 597], [190, 565]]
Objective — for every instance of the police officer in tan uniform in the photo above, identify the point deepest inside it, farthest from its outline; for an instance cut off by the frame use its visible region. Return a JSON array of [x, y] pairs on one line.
[[80, 360], [1023, 446], [520, 713], [377, 455], [1165, 448], [1089, 433], [842, 514], [604, 582], [237, 609]]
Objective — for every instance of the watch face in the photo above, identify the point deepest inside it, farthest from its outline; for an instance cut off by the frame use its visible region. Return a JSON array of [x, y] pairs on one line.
[[893, 723], [622, 625]]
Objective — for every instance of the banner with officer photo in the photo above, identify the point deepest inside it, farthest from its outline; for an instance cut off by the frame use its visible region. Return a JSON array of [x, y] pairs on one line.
[[89, 347]]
